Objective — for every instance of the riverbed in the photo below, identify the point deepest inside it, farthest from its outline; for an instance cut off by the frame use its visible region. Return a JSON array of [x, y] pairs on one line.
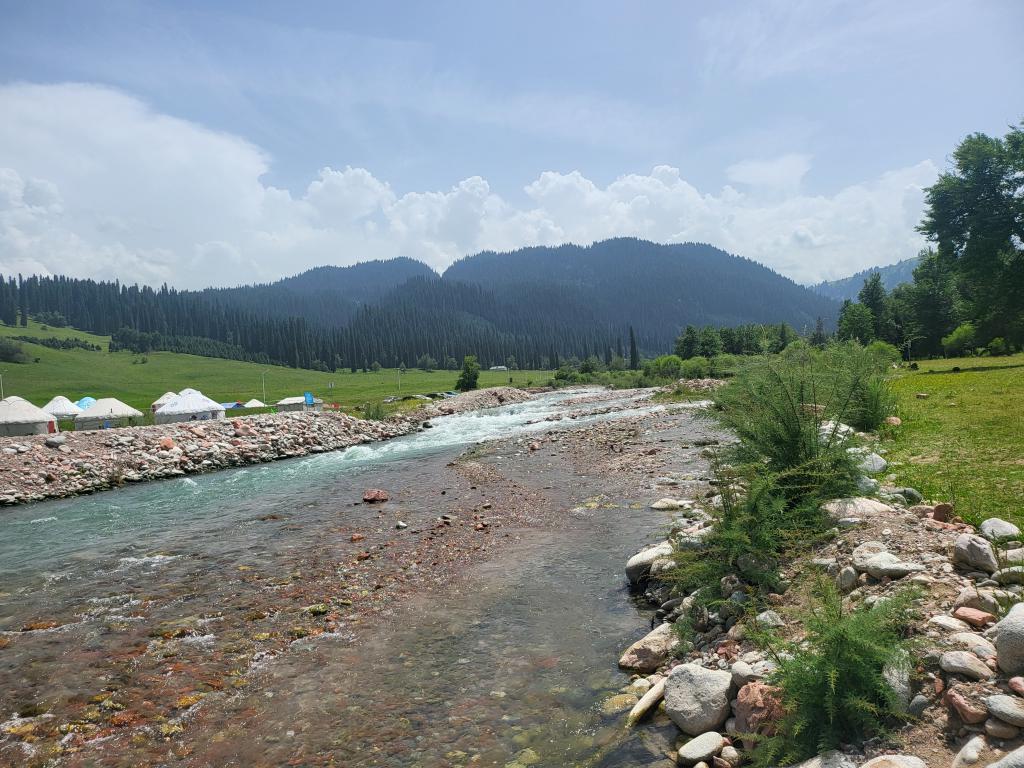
[[265, 615]]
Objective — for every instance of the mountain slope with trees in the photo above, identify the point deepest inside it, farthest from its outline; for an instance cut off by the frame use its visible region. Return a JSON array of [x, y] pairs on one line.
[[534, 305], [847, 288]]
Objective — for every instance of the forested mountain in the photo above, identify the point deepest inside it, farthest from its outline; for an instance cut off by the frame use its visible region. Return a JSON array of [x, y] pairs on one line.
[[536, 304], [847, 287], [326, 296]]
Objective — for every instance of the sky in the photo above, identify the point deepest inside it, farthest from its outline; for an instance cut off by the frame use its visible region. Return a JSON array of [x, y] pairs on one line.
[[200, 144]]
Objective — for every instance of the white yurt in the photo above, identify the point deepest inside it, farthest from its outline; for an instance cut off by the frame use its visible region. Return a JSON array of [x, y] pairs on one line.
[[62, 408], [190, 391], [107, 412], [193, 406], [165, 398], [254, 403], [19, 417]]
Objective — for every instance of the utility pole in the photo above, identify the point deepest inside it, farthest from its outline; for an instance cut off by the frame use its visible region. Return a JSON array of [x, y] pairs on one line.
[[263, 378], [2, 384]]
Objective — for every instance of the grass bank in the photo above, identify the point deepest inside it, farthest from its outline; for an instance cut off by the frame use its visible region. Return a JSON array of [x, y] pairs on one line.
[[79, 372], [965, 440]]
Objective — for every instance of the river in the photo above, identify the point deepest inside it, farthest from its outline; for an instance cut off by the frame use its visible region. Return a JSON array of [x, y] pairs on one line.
[[186, 621]]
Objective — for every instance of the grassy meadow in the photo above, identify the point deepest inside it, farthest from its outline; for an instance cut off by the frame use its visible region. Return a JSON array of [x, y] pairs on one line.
[[77, 372], [965, 441]]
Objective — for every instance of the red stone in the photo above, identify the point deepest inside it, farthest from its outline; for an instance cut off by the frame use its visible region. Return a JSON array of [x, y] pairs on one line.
[[166, 443], [758, 708], [970, 712], [375, 496], [1016, 685], [973, 616], [356, 537], [943, 513]]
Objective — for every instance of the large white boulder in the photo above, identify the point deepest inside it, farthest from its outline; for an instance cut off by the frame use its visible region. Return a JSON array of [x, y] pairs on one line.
[[700, 749], [855, 506], [697, 699], [639, 565], [996, 528], [895, 761], [1009, 641], [650, 651], [975, 552]]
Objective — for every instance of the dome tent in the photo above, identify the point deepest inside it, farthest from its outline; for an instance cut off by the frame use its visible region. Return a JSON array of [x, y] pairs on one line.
[[62, 408], [19, 417], [254, 403], [190, 405], [86, 402], [165, 398], [106, 412]]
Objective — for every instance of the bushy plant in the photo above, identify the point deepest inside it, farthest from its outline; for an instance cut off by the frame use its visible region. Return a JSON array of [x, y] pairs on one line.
[[997, 347], [960, 341], [873, 401], [834, 686], [695, 368], [724, 366], [778, 407], [664, 367], [885, 352], [470, 374], [374, 411]]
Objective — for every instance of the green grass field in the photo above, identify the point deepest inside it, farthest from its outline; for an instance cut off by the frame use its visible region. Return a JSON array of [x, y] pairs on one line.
[[965, 442], [76, 373]]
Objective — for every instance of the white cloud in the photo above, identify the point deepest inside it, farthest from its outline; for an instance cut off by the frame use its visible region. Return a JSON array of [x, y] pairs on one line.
[[95, 183]]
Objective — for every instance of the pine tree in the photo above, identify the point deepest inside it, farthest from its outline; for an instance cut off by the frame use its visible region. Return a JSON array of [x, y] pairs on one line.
[[634, 355]]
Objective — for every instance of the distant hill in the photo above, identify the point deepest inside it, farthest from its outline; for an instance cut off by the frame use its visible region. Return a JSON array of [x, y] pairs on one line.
[[848, 287], [536, 304]]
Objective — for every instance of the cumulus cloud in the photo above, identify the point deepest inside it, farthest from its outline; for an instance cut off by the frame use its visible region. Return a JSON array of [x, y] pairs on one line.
[[95, 183]]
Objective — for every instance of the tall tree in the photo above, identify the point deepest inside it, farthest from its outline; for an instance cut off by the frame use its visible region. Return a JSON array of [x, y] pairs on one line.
[[872, 295], [634, 354], [975, 214], [856, 323]]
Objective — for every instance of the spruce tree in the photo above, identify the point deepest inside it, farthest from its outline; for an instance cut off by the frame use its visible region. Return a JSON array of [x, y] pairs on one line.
[[634, 355]]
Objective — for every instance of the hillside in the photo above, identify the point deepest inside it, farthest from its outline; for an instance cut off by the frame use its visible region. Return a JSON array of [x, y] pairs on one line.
[[848, 287], [537, 304]]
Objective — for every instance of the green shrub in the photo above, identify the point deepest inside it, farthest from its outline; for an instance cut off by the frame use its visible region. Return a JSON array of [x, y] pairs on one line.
[[470, 374], [664, 367], [874, 400], [833, 685], [724, 366], [695, 368], [885, 352], [374, 411], [997, 347], [960, 341], [777, 406]]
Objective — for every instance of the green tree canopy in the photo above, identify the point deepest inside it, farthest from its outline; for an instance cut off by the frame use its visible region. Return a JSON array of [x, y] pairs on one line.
[[856, 323]]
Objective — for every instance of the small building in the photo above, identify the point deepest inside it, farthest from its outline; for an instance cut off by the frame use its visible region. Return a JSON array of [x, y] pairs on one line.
[[165, 398], [107, 412], [254, 403], [190, 406], [19, 417], [62, 408], [300, 404], [498, 368]]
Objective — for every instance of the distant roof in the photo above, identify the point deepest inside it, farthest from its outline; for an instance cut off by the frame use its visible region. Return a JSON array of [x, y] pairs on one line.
[[166, 397], [62, 408], [17, 410], [190, 401], [190, 391], [106, 407], [296, 400], [254, 403]]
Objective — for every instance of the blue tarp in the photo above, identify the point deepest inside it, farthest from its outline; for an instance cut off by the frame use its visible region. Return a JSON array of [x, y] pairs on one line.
[[85, 402]]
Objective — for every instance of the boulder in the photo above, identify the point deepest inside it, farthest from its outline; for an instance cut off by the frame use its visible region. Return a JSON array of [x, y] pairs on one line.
[[857, 506], [1009, 709], [1014, 759], [651, 651], [976, 644], [973, 616], [997, 729], [864, 552], [870, 463], [701, 748], [375, 496], [847, 579], [975, 552], [1009, 641], [639, 565], [56, 441], [831, 759], [895, 761], [758, 708], [697, 699], [965, 664], [996, 528], [886, 565], [986, 600]]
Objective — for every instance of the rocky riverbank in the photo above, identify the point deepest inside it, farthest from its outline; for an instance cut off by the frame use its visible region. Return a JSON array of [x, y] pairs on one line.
[[39, 467], [965, 693]]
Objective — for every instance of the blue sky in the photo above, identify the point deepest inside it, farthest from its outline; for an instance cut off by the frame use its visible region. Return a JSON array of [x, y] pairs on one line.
[[219, 143]]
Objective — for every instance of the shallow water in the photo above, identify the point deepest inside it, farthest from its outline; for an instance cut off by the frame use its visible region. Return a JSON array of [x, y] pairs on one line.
[[514, 657]]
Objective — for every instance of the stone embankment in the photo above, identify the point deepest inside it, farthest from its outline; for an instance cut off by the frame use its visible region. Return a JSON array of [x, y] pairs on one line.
[[39, 467], [965, 692]]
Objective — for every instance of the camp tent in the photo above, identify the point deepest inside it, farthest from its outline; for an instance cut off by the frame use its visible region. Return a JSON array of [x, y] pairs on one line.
[[62, 408], [165, 398], [194, 406], [85, 402], [107, 412], [19, 417], [299, 404], [254, 403], [232, 405], [190, 391]]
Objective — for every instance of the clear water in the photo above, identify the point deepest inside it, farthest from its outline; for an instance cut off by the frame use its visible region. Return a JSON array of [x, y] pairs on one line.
[[515, 656]]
